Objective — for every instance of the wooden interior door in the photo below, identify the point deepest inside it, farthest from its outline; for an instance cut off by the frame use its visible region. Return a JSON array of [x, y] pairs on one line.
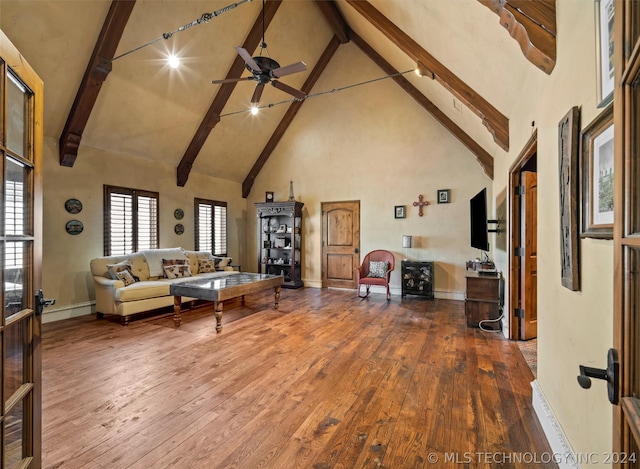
[[626, 228], [21, 108], [529, 253], [340, 244], [519, 236]]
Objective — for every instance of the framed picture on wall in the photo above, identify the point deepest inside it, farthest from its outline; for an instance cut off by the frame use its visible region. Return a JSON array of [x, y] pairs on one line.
[[596, 171], [604, 51], [443, 196], [400, 211]]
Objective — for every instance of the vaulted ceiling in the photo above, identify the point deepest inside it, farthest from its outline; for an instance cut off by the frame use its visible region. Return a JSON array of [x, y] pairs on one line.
[[104, 92]]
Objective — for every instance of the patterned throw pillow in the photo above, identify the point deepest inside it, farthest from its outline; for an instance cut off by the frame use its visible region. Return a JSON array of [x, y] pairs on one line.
[[176, 268], [115, 271], [206, 265], [177, 271], [378, 269], [126, 277]]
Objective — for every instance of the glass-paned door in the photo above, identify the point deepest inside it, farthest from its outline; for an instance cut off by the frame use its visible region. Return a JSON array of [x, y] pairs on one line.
[[626, 233], [20, 256]]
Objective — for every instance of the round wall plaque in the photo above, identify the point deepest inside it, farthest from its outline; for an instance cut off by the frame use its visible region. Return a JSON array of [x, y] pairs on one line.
[[74, 227], [179, 228], [73, 206], [178, 213]]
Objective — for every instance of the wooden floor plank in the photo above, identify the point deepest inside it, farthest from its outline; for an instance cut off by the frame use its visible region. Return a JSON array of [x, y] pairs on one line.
[[327, 380]]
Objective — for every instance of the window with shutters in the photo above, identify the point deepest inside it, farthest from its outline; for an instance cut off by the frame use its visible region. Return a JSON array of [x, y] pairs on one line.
[[211, 226], [130, 220]]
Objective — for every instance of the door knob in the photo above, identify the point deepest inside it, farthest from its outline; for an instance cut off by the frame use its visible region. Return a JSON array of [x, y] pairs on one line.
[[41, 302], [610, 375]]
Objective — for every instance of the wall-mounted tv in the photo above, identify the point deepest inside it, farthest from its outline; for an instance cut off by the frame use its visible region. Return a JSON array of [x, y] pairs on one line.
[[479, 224]]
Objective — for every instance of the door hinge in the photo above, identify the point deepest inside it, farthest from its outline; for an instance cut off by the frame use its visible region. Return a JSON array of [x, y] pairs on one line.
[[518, 313], [519, 190], [518, 251]]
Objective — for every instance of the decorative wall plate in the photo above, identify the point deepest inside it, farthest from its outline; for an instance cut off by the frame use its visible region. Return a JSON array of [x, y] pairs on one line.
[[179, 228], [178, 213], [74, 227], [73, 206]]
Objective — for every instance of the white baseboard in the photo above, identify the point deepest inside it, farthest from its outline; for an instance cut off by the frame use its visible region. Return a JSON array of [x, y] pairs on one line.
[[52, 314], [563, 454]]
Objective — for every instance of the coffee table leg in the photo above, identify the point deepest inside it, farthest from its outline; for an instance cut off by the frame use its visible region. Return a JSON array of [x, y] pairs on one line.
[[218, 307], [276, 297], [177, 307]]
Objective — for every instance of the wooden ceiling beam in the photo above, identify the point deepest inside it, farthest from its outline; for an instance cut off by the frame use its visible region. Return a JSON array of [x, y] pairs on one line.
[[335, 19], [315, 74], [483, 157], [94, 76], [212, 117], [532, 25], [494, 120]]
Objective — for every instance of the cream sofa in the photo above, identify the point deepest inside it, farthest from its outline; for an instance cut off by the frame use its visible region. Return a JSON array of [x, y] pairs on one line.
[[152, 290]]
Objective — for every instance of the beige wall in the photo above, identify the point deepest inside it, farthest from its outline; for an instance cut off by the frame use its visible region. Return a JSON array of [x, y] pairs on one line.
[[573, 327], [376, 145]]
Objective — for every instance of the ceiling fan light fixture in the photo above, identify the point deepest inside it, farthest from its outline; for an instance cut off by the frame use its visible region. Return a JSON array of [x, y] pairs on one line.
[[254, 110]]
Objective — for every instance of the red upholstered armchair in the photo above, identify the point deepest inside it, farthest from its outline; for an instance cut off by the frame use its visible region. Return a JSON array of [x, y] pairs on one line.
[[375, 269]]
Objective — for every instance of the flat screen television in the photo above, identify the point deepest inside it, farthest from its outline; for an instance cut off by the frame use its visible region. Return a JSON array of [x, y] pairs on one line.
[[479, 223]]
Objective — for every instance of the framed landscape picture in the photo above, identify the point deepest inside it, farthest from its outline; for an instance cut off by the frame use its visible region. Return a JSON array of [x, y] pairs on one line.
[[596, 168], [604, 51]]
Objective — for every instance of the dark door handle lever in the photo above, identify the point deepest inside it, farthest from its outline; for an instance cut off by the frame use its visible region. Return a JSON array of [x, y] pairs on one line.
[[610, 375]]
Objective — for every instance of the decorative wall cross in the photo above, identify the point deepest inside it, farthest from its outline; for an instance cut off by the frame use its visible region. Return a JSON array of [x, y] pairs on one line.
[[420, 203]]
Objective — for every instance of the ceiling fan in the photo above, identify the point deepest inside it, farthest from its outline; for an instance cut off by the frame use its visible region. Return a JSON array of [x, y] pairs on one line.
[[266, 70]]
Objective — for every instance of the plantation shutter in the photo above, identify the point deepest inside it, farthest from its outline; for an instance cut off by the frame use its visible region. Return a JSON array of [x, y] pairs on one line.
[[147, 223], [131, 220], [211, 226], [205, 222], [121, 232], [220, 230]]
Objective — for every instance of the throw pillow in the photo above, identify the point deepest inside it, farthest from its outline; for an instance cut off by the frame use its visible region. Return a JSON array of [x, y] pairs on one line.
[[378, 269], [206, 265], [177, 271], [176, 268], [114, 269], [221, 262], [126, 277]]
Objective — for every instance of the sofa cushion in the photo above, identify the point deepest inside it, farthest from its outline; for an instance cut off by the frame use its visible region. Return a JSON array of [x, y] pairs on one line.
[[176, 268], [221, 262], [143, 290], [139, 266], [206, 266], [126, 277], [122, 271]]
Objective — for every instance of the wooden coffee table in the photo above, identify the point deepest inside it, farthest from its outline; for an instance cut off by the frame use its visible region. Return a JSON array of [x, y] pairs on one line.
[[223, 288]]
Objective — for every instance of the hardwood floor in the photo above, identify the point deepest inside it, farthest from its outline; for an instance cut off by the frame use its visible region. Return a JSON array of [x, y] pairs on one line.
[[326, 381]]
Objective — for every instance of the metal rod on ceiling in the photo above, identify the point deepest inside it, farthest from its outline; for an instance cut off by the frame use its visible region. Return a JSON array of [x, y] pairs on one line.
[[205, 18]]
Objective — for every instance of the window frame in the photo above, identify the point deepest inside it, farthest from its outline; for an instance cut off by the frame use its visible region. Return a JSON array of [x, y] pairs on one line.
[[134, 193], [197, 202]]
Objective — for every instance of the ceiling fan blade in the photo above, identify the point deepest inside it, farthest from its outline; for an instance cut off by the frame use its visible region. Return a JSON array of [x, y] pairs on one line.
[[289, 69], [248, 59], [287, 89], [231, 80], [257, 94]]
